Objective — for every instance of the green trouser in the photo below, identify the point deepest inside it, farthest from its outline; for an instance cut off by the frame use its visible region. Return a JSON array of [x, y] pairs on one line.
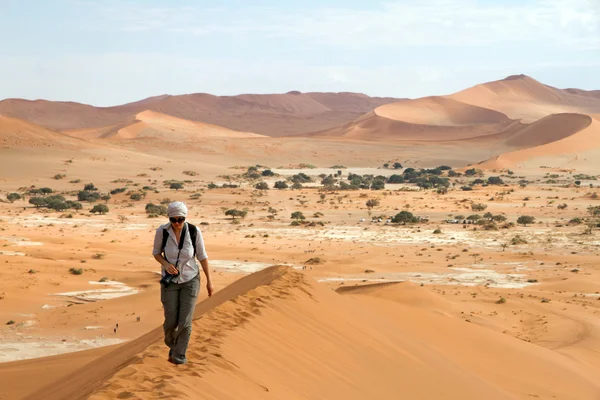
[[179, 301]]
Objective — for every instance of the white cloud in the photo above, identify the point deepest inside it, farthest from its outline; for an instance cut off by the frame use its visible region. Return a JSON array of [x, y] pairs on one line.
[[392, 24]]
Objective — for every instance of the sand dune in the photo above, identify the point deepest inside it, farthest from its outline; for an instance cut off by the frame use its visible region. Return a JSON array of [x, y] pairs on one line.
[[248, 335], [585, 140], [269, 114], [407, 293], [150, 124], [15, 133], [524, 98], [439, 111]]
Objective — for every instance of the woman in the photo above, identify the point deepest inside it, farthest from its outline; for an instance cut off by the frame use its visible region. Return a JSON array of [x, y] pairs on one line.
[[180, 285]]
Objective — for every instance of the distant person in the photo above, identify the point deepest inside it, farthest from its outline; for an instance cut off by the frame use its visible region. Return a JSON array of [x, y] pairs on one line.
[[175, 245]]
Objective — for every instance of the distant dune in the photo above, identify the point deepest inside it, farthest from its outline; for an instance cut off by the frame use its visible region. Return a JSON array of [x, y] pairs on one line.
[[524, 98], [580, 141], [490, 120], [150, 124], [15, 133], [267, 114]]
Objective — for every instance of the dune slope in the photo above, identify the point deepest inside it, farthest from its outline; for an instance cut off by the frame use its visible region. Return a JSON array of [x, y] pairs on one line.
[[150, 124], [276, 334], [15, 133], [524, 98]]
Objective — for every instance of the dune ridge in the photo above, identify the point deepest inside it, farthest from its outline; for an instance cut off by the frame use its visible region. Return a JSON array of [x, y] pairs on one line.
[[246, 335], [582, 141], [522, 97], [151, 124]]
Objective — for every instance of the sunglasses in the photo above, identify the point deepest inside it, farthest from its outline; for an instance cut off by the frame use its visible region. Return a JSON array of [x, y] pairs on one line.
[[178, 220]]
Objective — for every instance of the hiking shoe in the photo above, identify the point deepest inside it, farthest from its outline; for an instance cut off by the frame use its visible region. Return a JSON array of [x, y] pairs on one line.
[[178, 361]]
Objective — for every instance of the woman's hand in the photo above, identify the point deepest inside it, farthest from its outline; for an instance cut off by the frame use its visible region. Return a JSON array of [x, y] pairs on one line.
[[172, 270], [209, 288]]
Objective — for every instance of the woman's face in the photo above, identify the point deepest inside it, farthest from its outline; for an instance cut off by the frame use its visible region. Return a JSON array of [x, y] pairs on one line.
[[177, 221]]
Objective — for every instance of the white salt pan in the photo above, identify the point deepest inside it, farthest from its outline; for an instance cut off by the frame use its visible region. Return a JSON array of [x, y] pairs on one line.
[[115, 290], [243, 266], [27, 350]]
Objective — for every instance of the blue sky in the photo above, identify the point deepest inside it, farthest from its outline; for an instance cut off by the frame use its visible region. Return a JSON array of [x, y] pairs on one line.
[[108, 52]]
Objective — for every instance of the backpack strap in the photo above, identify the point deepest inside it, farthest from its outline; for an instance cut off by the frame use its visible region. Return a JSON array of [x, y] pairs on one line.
[[193, 236], [165, 238]]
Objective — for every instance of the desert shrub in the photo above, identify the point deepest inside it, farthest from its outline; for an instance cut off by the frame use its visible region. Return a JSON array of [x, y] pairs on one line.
[[478, 206], [280, 185], [85, 195], [499, 218], [11, 322], [404, 217], [490, 226], [562, 206], [372, 203], [233, 213], [576, 221], [267, 172], [437, 231], [395, 179], [100, 209], [473, 172], [59, 176], [378, 185], [190, 173], [474, 217], [525, 219], [12, 197], [76, 271], [212, 185], [117, 191], [517, 240], [397, 165], [466, 188], [297, 186], [262, 186], [90, 187], [136, 196], [156, 209], [297, 215], [495, 180], [301, 178], [176, 185]]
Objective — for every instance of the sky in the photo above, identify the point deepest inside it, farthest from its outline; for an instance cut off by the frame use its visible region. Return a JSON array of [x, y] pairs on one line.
[[110, 52]]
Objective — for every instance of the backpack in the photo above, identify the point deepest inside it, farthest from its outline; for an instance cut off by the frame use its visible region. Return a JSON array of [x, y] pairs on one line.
[[193, 235]]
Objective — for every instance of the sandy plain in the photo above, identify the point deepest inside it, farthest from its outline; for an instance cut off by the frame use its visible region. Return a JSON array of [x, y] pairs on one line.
[[337, 307]]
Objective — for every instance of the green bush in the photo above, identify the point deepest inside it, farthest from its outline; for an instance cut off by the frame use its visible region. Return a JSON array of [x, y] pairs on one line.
[[76, 271], [156, 209], [12, 197], [100, 209]]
